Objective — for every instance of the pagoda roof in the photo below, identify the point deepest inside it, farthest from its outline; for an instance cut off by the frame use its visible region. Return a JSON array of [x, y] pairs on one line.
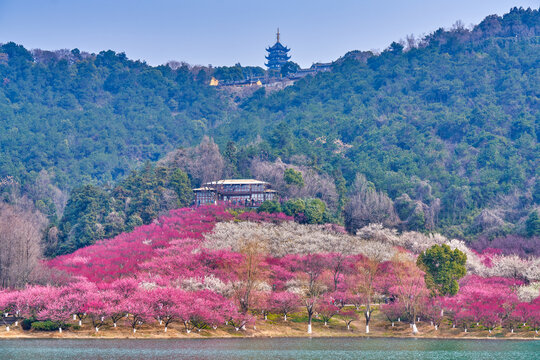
[[278, 46], [283, 57]]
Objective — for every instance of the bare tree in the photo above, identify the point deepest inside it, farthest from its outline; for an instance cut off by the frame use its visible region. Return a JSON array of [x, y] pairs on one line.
[[316, 185], [366, 205], [203, 163], [20, 235]]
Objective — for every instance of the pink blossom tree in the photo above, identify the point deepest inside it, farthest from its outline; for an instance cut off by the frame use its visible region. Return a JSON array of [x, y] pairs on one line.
[[113, 302], [58, 310], [488, 315], [433, 311], [261, 302], [464, 319], [34, 299], [523, 311], [8, 305], [97, 309], [349, 316], [410, 289], [368, 273], [393, 311], [284, 302], [309, 269], [327, 310], [138, 308], [512, 321], [208, 310], [533, 320], [168, 305], [78, 294]]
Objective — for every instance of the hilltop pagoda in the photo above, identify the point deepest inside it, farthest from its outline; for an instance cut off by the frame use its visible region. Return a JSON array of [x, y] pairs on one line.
[[277, 55]]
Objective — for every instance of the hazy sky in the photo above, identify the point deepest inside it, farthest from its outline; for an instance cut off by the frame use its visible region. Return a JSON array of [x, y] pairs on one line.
[[226, 32]]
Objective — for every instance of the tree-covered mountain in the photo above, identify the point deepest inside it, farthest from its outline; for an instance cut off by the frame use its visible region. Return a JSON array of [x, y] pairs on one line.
[[91, 118], [436, 134], [449, 124]]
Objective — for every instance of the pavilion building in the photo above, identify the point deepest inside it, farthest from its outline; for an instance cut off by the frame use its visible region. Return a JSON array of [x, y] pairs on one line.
[[277, 55], [241, 192]]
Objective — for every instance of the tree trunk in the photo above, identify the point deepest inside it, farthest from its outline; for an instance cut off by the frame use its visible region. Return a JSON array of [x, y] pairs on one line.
[[367, 315], [97, 329], [414, 329], [80, 322], [165, 329], [436, 327], [7, 328], [114, 324], [134, 330], [285, 317], [392, 324], [60, 330]]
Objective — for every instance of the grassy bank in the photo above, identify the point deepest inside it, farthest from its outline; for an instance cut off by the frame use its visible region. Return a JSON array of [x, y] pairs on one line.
[[275, 326]]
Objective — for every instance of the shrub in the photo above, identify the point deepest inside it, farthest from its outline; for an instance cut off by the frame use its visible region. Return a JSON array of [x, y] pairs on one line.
[[45, 325], [26, 324]]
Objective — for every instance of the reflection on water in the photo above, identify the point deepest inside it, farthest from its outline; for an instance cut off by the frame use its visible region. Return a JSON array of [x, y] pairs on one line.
[[295, 348]]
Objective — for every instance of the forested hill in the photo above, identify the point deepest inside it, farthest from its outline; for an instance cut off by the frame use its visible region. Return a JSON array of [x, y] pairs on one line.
[[459, 109], [88, 118], [447, 126]]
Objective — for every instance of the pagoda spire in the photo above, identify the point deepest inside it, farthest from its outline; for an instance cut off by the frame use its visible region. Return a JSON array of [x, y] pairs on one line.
[[277, 54]]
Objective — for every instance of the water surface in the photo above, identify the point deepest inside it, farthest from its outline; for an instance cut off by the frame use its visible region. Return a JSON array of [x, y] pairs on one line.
[[265, 348]]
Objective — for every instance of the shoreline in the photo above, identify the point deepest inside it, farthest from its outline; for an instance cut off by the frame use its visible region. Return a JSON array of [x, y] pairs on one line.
[[67, 336]]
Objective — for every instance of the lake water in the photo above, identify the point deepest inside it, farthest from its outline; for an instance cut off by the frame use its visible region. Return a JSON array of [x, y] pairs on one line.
[[263, 348]]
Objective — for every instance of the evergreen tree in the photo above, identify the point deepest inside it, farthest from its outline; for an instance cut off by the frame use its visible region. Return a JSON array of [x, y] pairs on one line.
[[443, 268]]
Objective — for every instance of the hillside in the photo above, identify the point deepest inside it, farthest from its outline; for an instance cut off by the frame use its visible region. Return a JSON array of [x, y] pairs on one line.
[[443, 131], [217, 272]]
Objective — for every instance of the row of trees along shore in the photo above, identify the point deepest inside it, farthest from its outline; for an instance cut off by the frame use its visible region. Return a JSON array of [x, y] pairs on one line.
[[185, 270]]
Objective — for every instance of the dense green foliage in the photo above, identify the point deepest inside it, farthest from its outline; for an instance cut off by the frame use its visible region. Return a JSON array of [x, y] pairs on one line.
[[443, 267], [237, 72], [447, 129], [94, 213], [93, 118], [532, 224], [459, 111], [45, 325], [304, 211], [293, 177]]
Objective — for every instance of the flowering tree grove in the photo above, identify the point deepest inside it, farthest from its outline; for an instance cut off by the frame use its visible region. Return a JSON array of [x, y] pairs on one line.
[[208, 267]]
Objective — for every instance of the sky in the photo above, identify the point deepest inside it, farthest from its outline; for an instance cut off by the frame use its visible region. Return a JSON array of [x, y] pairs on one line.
[[226, 32]]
